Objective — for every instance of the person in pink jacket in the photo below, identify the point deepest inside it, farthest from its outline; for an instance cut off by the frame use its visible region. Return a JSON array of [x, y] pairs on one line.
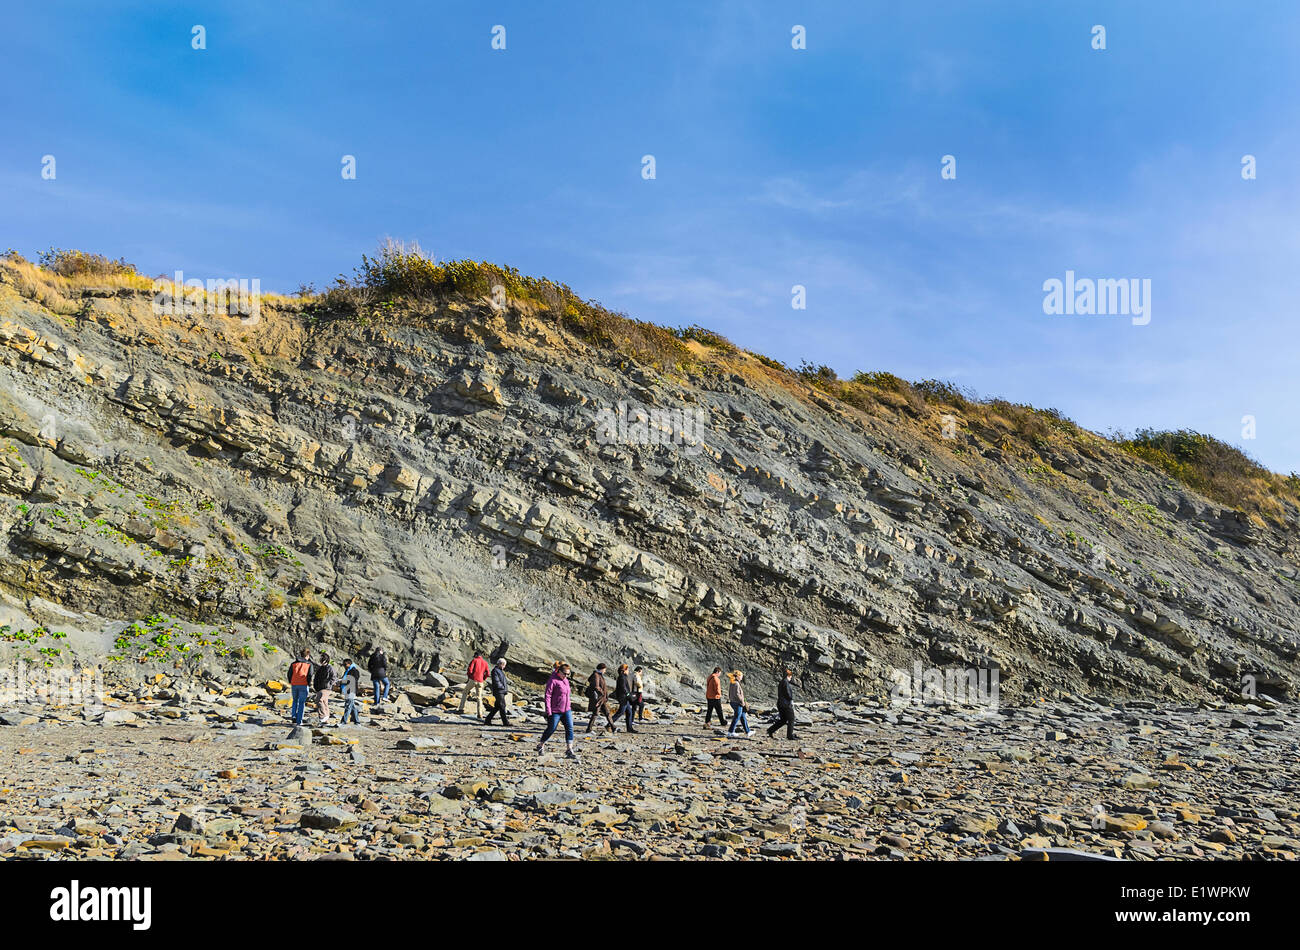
[[559, 709]]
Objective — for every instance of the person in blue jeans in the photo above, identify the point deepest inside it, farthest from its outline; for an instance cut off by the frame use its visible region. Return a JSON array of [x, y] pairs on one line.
[[625, 697], [300, 673], [736, 697], [553, 721], [559, 709], [351, 683], [379, 674]]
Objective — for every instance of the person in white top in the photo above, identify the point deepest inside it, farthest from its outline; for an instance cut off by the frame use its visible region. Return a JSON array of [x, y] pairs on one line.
[[638, 693]]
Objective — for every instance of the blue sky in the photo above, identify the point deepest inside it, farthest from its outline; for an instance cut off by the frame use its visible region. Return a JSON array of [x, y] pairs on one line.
[[775, 167]]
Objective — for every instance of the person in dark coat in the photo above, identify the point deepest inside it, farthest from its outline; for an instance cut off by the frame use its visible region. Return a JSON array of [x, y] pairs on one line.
[[324, 679], [500, 687], [378, 667], [624, 696], [784, 706]]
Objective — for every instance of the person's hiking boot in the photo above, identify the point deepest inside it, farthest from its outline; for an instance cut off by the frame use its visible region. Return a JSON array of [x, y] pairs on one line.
[[571, 755]]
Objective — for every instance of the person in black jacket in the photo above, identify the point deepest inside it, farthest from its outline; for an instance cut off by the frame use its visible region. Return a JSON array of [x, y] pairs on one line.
[[378, 667], [323, 681], [624, 696], [499, 689], [784, 706]]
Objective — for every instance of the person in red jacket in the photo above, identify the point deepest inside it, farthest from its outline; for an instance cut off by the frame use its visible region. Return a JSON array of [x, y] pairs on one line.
[[478, 674], [300, 671]]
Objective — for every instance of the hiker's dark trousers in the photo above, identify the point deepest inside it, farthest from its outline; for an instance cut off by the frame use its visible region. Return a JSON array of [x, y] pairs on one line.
[[498, 706], [787, 719], [626, 708], [599, 708], [715, 705]]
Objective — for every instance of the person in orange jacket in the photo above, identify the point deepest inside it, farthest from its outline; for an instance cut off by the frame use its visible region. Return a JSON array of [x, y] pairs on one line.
[[300, 671], [713, 693], [478, 674]]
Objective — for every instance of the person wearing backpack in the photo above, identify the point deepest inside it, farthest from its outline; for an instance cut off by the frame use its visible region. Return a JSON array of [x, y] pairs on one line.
[[713, 695], [475, 675], [598, 698], [323, 682], [736, 697], [351, 685], [378, 666], [300, 684], [499, 690], [624, 696]]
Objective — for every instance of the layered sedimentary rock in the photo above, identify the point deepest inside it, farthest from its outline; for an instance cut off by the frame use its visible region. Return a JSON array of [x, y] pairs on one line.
[[451, 479]]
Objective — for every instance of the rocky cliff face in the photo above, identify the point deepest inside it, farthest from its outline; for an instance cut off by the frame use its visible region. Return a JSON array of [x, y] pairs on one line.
[[176, 489]]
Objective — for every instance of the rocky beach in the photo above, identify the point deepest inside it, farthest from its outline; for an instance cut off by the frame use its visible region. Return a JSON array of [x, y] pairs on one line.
[[206, 771]]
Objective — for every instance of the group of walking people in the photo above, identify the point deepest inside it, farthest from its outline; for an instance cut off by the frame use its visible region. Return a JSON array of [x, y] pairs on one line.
[[629, 694], [480, 676], [739, 710], [306, 676], [557, 701]]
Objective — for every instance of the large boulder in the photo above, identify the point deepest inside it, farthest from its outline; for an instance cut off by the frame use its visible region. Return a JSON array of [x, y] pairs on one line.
[[425, 695]]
